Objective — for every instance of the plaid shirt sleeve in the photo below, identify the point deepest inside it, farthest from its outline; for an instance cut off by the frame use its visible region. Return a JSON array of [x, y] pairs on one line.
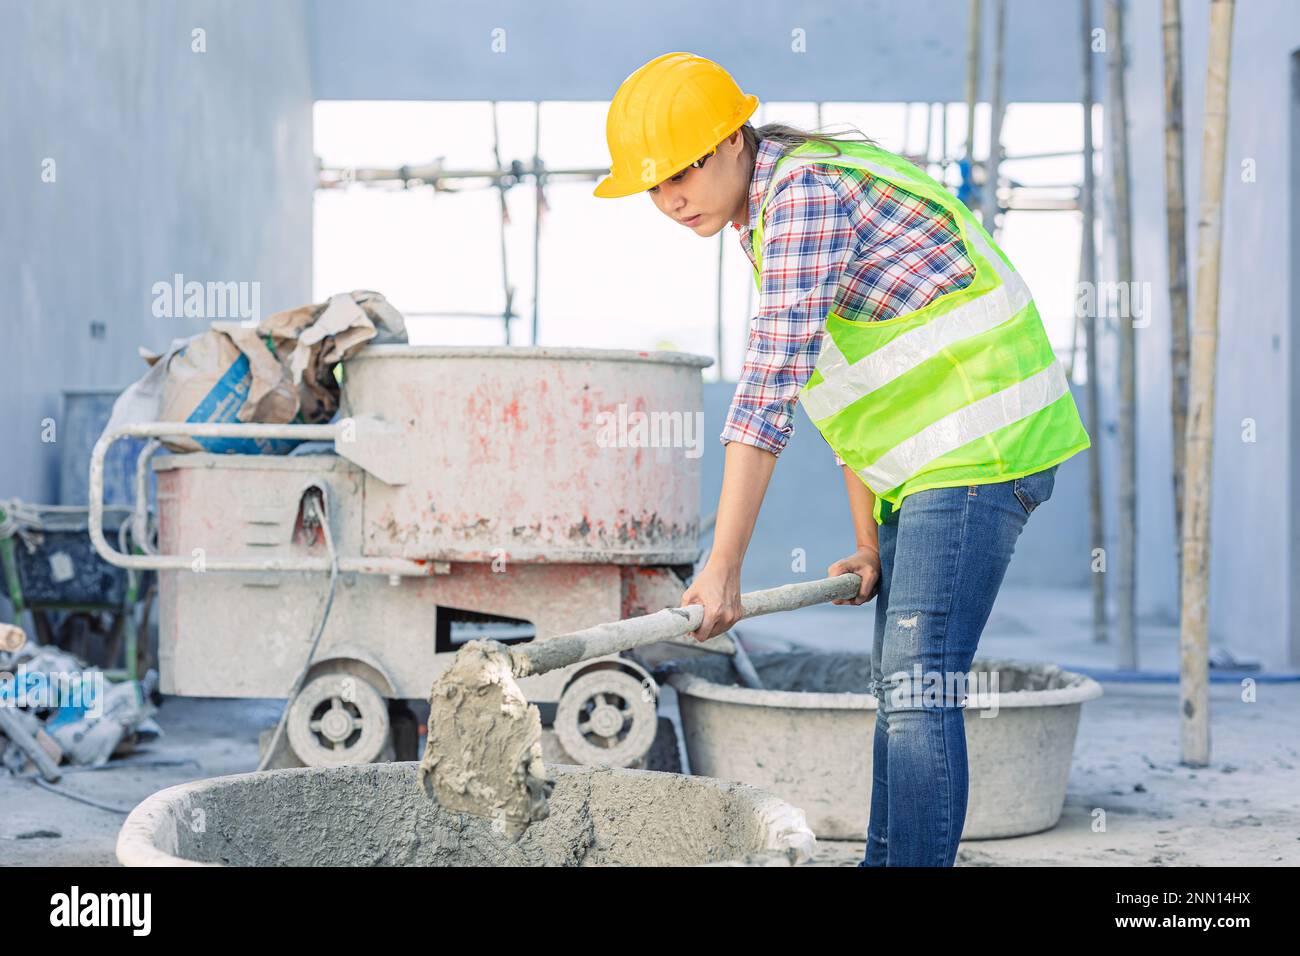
[[808, 242]]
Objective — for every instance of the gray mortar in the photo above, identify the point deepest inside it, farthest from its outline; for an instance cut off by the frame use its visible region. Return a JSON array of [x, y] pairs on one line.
[[484, 749], [807, 736], [376, 815], [820, 679]]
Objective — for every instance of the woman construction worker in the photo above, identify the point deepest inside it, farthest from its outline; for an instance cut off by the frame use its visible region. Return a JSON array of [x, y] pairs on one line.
[[917, 351]]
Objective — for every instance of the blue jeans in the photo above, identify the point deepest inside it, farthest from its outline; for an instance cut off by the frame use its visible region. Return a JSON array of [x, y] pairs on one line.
[[943, 555]]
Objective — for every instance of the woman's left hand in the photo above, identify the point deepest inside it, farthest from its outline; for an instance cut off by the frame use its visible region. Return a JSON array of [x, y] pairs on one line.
[[864, 562]]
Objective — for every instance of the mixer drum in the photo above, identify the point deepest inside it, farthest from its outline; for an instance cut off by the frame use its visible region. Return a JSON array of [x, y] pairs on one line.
[[533, 454]]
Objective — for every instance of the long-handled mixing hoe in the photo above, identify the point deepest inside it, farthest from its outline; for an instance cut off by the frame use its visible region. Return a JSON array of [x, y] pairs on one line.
[[484, 749]]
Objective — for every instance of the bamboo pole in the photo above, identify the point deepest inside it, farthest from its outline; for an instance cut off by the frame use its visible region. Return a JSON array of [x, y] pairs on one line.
[[1176, 217], [929, 135], [505, 218], [539, 201], [1126, 563], [1077, 323], [943, 144], [722, 240], [750, 286], [1092, 391], [972, 78], [989, 210], [1194, 692]]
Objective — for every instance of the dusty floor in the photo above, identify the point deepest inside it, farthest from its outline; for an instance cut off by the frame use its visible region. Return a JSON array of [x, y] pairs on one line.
[[1242, 810], [219, 736]]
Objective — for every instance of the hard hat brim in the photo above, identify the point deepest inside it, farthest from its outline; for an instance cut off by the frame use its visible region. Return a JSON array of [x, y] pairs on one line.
[[612, 188]]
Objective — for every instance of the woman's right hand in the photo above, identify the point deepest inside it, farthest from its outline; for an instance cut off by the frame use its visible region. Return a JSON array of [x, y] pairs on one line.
[[864, 562], [717, 588]]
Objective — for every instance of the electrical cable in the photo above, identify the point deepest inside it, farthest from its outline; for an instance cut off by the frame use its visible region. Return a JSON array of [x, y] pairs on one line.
[[320, 513]]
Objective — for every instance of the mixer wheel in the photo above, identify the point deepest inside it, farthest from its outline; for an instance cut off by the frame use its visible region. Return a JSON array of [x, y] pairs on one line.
[[338, 718], [607, 717]]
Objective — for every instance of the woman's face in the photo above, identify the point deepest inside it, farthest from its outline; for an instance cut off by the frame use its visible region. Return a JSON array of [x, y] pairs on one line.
[[705, 199]]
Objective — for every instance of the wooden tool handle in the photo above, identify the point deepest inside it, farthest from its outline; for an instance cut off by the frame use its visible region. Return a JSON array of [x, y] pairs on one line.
[[13, 728], [538, 657]]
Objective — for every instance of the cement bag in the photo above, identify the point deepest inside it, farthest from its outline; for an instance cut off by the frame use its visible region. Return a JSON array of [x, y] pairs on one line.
[[280, 372], [142, 400], [312, 339], [228, 374]]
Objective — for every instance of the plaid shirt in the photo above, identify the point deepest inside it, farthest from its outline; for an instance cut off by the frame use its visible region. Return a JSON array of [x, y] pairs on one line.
[[838, 240]]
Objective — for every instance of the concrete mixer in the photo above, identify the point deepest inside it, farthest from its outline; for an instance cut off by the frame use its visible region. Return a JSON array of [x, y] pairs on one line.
[[460, 488]]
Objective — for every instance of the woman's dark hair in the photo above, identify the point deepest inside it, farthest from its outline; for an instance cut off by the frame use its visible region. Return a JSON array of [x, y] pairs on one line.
[[790, 137]]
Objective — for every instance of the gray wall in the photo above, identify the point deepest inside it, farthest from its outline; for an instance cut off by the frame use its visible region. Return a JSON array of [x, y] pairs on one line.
[[856, 50], [166, 161], [1292, 394]]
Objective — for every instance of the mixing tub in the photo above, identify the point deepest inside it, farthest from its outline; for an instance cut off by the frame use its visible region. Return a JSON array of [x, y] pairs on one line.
[[376, 815], [808, 738]]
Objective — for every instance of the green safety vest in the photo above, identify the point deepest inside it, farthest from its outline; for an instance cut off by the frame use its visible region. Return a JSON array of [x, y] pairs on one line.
[[964, 391]]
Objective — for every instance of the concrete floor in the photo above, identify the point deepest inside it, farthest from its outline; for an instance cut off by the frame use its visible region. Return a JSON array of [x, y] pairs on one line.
[[1243, 809]]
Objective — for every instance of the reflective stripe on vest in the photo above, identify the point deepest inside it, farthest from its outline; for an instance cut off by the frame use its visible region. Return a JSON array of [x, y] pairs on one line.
[[906, 401]]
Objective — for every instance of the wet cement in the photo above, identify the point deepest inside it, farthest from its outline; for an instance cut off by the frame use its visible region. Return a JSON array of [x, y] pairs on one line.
[[484, 749], [831, 672], [798, 671], [375, 815]]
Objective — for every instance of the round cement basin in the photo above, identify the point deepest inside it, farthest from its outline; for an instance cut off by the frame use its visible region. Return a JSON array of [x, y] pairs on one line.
[[376, 815], [808, 739]]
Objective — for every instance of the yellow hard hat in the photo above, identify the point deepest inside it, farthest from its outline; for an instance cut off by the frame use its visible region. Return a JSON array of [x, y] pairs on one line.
[[665, 116]]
